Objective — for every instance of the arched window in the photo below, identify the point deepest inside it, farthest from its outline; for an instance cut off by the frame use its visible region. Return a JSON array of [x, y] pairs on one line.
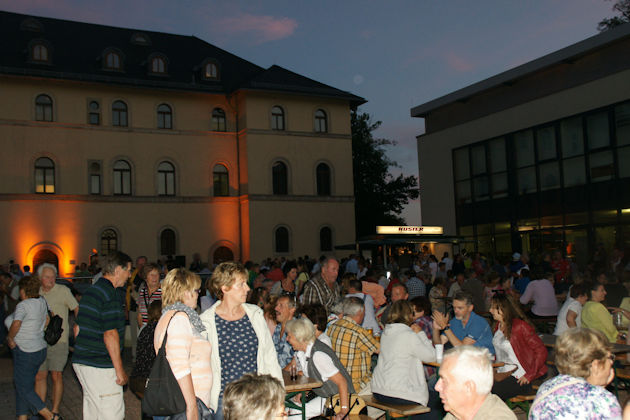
[[119, 114], [166, 179], [325, 239], [321, 121], [210, 71], [277, 118], [323, 179], [280, 179], [122, 178], [158, 65], [218, 120], [168, 244], [221, 181], [222, 254], [109, 241], [164, 116], [43, 108], [112, 61], [39, 52], [281, 237], [94, 113], [95, 178], [44, 176]]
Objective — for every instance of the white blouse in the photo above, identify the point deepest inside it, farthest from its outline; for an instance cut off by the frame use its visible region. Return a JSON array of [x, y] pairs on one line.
[[505, 353]]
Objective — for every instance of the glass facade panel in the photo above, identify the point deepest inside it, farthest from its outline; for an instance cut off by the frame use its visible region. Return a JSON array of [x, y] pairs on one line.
[[576, 219], [527, 180], [546, 140], [597, 131], [481, 188], [605, 235], [464, 194], [524, 146], [499, 185], [462, 166], [498, 161], [479, 160], [601, 165], [577, 244], [622, 124], [572, 137], [605, 216], [623, 160], [549, 176], [574, 173]]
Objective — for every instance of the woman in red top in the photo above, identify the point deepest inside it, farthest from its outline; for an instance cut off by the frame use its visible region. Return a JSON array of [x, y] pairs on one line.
[[518, 346]]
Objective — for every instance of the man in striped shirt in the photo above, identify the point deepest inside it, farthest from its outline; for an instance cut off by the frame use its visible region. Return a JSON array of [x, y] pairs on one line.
[[97, 352]]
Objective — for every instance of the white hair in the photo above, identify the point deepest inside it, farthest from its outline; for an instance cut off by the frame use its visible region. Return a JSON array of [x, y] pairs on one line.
[[472, 364], [352, 306], [302, 329], [44, 266]]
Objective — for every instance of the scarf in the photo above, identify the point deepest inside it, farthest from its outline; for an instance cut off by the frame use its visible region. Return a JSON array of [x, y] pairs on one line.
[[193, 316]]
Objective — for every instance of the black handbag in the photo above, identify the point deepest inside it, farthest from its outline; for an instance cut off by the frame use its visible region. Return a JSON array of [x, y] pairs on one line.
[[204, 413], [53, 331], [162, 394]]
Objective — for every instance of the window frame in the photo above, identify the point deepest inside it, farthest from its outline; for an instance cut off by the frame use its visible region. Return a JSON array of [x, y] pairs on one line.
[[330, 238], [279, 186], [120, 189], [164, 114], [44, 111], [163, 239], [95, 174], [93, 113], [323, 186], [45, 172], [276, 240], [222, 180], [164, 175], [109, 240], [278, 118], [321, 121], [218, 120], [118, 113]]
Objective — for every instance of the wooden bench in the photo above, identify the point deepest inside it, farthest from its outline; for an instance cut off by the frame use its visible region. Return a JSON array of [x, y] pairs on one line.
[[395, 411], [524, 402]]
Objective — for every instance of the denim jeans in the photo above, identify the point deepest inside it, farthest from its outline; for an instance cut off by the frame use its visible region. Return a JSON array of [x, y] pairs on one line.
[[25, 367]]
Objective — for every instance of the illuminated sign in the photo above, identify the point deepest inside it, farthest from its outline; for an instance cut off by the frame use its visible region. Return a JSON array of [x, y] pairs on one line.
[[410, 230]]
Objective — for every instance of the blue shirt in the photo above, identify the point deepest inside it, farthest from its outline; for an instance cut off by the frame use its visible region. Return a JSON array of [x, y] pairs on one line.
[[238, 348], [521, 284], [283, 348], [476, 328]]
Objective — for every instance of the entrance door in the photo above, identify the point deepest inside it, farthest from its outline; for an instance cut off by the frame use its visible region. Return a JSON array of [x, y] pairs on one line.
[[45, 256]]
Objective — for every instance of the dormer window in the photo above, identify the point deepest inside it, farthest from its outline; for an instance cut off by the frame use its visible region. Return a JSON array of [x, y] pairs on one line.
[[210, 71], [31, 24], [139, 38], [39, 53], [158, 65], [112, 61]]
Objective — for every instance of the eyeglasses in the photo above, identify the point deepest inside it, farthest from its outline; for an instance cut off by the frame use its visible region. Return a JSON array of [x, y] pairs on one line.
[[197, 290]]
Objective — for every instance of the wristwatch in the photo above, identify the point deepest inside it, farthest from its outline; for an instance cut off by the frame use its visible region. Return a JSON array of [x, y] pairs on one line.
[[448, 327]]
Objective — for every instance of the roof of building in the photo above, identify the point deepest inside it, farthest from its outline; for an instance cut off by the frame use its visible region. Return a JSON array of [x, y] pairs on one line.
[[508, 77], [77, 51]]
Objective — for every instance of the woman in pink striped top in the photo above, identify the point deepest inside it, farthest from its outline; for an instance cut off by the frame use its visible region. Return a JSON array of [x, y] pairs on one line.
[[187, 349]]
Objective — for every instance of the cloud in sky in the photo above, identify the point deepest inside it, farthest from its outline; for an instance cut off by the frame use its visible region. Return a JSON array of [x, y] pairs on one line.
[[260, 28]]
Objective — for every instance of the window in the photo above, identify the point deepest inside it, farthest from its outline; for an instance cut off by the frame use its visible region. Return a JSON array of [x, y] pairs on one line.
[[94, 113], [112, 61], [168, 242], [95, 178], [321, 121], [281, 237], [549, 176], [122, 178], [546, 141], [325, 239], [140, 38], [277, 118], [43, 108], [44, 176], [323, 179], [622, 124], [220, 181], [572, 137], [597, 131], [119, 114], [39, 52], [210, 71], [109, 241], [218, 120], [574, 172], [166, 179], [165, 116], [478, 154], [280, 179], [601, 166], [462, 165], [158, 65], [222, 254], [524, 145]]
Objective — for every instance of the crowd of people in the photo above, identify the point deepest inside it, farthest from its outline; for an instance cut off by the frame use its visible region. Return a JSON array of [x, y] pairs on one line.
[[359, 329]]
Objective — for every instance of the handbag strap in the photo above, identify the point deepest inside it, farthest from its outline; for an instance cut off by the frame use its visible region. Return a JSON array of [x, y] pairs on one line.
[[553, 389], [163, 346]]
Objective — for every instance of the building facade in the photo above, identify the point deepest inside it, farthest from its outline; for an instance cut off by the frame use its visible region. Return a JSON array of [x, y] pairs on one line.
[[535, 158], [158, 144]]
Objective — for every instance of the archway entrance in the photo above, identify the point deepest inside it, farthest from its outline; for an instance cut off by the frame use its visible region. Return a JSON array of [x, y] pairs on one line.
[[222, 254], [45, 256]]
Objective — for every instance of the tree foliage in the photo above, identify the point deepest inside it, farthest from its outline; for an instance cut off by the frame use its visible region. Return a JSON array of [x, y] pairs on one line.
[[379, 196], [622, 7]]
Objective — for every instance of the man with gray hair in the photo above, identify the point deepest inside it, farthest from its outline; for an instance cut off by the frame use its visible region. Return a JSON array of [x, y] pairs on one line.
[[465, 382], [60, 301], [323, 288], [354, 344]]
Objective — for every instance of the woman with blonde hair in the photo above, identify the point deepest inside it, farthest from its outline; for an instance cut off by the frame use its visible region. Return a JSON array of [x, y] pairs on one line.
[[254, 397], [240, 338], [187, 348], [584, 361]]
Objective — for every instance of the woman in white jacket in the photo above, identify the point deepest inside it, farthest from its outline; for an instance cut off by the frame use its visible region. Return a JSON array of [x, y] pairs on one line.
[[240, 339], [399, 375]]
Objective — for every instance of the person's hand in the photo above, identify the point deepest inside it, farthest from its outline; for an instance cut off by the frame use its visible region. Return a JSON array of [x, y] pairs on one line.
[[440, 319], [415, 328], [192, 413], [11, 343], [341, 414], [122, 379], [522, 380]]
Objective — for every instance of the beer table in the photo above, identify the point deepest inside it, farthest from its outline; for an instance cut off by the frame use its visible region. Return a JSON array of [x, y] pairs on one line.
[[300, 386], [549, 340]]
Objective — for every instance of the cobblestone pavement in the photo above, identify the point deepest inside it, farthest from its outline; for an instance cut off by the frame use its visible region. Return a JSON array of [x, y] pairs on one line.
[[72, 403]]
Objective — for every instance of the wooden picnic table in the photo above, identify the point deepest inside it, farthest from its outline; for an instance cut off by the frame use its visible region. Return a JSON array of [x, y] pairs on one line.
[[549, 340], [301, 385]]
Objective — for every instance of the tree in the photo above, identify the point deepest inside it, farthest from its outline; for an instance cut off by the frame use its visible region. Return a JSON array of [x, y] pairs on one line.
[[379, 196], [623, 8]]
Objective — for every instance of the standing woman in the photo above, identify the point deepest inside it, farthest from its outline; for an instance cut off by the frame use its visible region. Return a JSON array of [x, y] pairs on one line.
[[26, 341], [187, 349], [238, 332], [518, 346], [150, 291]]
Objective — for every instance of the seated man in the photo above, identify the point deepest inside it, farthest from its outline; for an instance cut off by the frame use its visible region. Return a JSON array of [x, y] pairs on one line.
[[467, 328], [369, 320], [285, 310], [354, 344], [465, 382]]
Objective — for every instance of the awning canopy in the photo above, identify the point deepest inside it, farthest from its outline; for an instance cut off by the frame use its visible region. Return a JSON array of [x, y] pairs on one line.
[[393, 240]]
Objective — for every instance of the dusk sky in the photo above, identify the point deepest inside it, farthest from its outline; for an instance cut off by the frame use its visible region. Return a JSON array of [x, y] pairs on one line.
[[395, 54]]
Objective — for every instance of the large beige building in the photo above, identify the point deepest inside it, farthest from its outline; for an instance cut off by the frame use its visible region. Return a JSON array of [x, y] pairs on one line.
[[158, 144], [536, 158]]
